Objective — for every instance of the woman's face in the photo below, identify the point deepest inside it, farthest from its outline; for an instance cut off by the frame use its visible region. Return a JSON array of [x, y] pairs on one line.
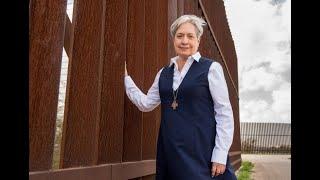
[[185, 40]]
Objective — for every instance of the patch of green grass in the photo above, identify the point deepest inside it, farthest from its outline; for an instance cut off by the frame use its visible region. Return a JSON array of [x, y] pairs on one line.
[[245, 171]]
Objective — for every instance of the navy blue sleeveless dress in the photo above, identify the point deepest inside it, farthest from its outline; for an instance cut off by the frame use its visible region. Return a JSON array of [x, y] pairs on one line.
[[187, 134]]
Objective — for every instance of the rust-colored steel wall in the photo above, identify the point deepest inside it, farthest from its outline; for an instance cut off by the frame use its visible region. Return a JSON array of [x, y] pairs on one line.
[[132, 150], [112, 98], [82, 109], [151, 54], [103, 131], [46, 42]]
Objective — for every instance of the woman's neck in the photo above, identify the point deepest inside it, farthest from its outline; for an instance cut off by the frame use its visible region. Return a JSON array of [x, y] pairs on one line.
[[181, 61]]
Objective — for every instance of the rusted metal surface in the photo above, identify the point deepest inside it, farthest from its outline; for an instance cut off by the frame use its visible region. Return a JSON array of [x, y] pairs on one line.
[[163, 26], [68, 36], [79, 173], [112, 95], [215, 14], [190, 7], [118, 171], [180, 7], [149, 136], [130, 170], [132, 150], [82, 108], [172, 15], [235, 158], [46, 43]]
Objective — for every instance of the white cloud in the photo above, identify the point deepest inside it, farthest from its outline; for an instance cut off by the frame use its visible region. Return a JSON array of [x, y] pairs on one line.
[[261, 111], [256, 111], [259, 79], [262, 37], [256, 27], [256, 106], [286, 17], [282, 102]]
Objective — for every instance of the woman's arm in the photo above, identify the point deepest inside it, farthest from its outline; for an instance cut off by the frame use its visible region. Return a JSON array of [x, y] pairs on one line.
[[144, 103], [223, 113]]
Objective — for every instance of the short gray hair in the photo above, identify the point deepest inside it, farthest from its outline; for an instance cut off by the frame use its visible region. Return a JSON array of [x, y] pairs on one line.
[[195, 20]]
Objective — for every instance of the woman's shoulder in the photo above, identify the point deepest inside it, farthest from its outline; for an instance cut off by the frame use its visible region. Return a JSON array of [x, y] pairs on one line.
[[166, 67], [210, 60], [161, 70], [165, 70], [211, 63]]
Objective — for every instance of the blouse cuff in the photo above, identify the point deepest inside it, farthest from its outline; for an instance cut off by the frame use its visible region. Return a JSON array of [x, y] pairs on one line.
[[219, 156]]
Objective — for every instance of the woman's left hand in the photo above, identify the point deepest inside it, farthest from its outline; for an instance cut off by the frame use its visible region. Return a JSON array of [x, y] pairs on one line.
[[217, 169], [125, 69]]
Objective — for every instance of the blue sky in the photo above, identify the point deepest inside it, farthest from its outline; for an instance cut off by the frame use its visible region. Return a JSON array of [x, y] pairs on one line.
[[261, 30]]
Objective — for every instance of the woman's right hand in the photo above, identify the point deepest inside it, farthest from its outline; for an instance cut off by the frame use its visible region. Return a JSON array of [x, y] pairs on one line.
[[125, 69]]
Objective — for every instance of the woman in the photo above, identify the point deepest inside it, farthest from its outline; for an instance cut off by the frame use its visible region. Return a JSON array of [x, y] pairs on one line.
[[196, 129]]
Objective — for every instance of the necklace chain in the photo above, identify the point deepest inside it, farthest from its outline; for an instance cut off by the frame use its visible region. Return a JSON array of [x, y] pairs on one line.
[[174, 104], [175, 95]]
